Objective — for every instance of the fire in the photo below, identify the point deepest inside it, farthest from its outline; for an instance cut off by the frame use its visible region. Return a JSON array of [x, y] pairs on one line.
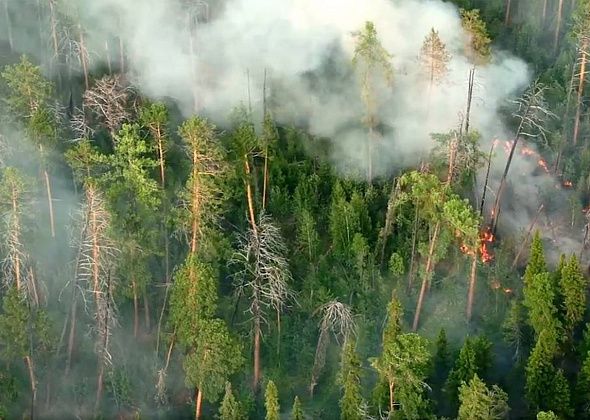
[[486, 237], [543, 165], [507, 291], [568, 184]]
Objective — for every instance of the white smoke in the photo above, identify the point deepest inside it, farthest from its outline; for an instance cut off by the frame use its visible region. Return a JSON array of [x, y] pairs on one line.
[[293, 38]]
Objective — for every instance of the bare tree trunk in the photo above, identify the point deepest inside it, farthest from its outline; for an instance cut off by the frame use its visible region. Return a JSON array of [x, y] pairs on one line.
[[257, 331], [582, 76], [496, 209], [558, 25], [526, 238], [485, 185], [162, 316], [544, 16], [108, 54], [507, 15], [389, 219], [198, 403], [265, 180], [83, 58], [49, 202], [30, 368], [71, 334], [391, 399], [469, 98], [8, 25], [249, 195], [413, 257], [566, 119], [426, 279], [472, 281], [135, 308], [146, 308], [370, 154], [99, 385]]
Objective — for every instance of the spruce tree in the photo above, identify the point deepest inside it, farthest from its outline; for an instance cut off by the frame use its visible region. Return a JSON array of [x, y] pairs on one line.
[[271, 402], [536, 264], [479, 402], [539, 298], [574, 287], [297, 411], [229, 408], [350, 382]]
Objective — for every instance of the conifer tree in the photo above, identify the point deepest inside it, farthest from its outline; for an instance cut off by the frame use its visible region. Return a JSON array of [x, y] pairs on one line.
[[370, 57], [582, 394], [536, 264], [434, 58], [350, 382], [546, 415], [229, 408], [574, 287], [297, 411], [271, 402], [479, 402], [539, 298]]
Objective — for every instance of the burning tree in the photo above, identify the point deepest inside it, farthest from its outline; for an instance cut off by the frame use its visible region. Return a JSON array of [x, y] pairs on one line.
[[532, 114], [338, 319], [265, 279], [371, 59]]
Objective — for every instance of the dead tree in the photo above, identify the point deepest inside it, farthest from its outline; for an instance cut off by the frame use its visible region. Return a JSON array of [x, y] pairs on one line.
[[94, 281], [8, 21], [108, 100], [558, 25], [338, 319], [582, 62], [389, 220], [265, 279], [532, 114]]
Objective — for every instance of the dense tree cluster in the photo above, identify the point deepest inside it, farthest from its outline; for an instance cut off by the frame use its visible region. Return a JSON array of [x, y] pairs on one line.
[[160, 265]]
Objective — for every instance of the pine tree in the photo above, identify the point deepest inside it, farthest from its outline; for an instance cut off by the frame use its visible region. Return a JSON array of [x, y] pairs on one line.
[[546, 415], [539, 298], [478, 48], [434, 58], [271, 402], [582, 394], [478, 402], [297, 411], [370, 57], [350, 382], [536, 264], [574, 287], [229, 408]]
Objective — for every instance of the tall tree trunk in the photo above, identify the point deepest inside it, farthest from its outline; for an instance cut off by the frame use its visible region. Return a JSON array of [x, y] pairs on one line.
[[53, 22], [507, 14], [198, 402], [30, 368], [249, 195], [50, 203], [257, 332], [99, 384], [427, 274], [146, 308], [544, 16], [265, 180], [8, 25], [472, 281], [496, 209], [558, 25], [108, 56], [72, 334], [413, 256], [121, 56], [135, 308], [469, 98], [391, 399], [389, 219], [566, 119], [485, 184], [582, 78], [17, 262], [83, 58]]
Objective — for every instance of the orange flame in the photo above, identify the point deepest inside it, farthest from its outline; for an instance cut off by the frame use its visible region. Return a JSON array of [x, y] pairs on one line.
[[543, 165], [486, 237], [507, 291], [568, 184]]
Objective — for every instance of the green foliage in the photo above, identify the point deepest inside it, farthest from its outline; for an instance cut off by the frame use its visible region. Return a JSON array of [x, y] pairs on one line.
[[539, 298], [350, 382], [478, 402], [574, 287], [29, 90], [215, 357], [536, 264], [582, 394], [514, 328], [396, 265], [230, 408], [478, 48], [297, 410], [370, 54], [546, 415], [193, 300], [475, 358], [271, 402], [546, 387]]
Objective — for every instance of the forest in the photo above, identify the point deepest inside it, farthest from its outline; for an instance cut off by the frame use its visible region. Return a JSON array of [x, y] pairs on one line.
[[294, 209]]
